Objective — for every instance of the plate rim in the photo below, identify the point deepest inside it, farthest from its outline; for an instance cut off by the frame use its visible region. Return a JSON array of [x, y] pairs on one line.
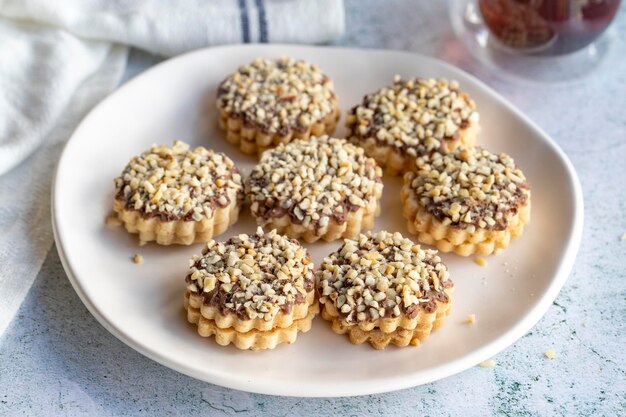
[[445, 370]]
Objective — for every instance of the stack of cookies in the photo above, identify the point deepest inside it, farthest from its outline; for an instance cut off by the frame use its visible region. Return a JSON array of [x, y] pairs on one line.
[[457, 197], [252, 291], [175, 195], [269, 102], [412, 118], [469, 201], [382, 288], [321, 187]]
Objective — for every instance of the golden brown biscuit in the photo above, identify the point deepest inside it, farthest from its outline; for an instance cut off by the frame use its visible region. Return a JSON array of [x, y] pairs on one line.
[[269, 102], [412, 118], [382, 288], [253, 290], [252, 339], [469, 201], [320, 188], [175, 195]]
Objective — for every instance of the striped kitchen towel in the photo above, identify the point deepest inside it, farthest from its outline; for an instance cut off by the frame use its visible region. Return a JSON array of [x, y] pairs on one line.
[[47, 48]]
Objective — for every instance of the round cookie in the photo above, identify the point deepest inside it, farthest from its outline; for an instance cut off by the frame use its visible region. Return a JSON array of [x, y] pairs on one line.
[[174, 195], [254, 291], [268, 102], [382, 288], [469, 201], [412, 118], [320, 188]]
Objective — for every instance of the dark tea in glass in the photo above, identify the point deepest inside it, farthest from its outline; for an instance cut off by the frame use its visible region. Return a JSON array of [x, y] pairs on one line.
[[547, 27]]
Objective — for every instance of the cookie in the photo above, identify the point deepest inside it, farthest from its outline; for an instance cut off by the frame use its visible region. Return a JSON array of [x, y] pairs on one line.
[[255, 291], [269, 102], [469, 201], [320, 188], [397, 124], [384, 289], [252, 339], [175, 195]]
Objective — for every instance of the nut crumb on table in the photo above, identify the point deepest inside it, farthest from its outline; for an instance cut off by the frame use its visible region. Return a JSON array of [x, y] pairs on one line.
[[137, 258], [550, 353], [623, 237]]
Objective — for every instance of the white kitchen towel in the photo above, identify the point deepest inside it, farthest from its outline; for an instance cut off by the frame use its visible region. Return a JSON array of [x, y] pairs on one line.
[[48, 80], [59, 58], [170, 27], [48, 47]]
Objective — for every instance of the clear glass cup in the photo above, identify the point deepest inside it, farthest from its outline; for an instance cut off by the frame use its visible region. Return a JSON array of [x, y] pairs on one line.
[[540, 40]]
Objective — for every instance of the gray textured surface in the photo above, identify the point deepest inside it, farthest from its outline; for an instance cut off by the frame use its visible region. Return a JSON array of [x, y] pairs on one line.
[[55, 359]]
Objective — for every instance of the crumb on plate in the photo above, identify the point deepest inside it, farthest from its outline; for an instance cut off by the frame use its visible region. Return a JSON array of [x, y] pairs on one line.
[[480, 261], [113, 220], [471, 319], [550, 353], [137, 258], [488, 364]]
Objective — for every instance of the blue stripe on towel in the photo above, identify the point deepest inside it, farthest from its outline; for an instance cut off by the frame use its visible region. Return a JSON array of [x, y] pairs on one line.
[[245, 23], [262, 21]]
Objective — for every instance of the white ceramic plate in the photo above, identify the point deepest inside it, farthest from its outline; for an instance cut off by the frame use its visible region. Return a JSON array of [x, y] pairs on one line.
[[142, 304]]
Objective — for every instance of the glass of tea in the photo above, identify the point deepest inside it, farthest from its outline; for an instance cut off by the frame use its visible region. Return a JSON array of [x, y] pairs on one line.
[[542, 40]]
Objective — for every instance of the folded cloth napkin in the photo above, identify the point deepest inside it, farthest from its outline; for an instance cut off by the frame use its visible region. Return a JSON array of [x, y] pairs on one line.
[[59, 58]]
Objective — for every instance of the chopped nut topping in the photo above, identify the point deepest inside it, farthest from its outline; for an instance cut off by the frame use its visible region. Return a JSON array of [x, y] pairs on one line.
[[471, 319], [382, 275], [277, 96], [137, 258], [313, 181], [488, 364], [480, 261], [470, 188], [175, 183], [252, 276], [550, 353], [415, 115]]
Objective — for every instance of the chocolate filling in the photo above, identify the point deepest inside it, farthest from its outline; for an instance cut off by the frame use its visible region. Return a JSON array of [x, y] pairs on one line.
[[479, 208], [273, 208]]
